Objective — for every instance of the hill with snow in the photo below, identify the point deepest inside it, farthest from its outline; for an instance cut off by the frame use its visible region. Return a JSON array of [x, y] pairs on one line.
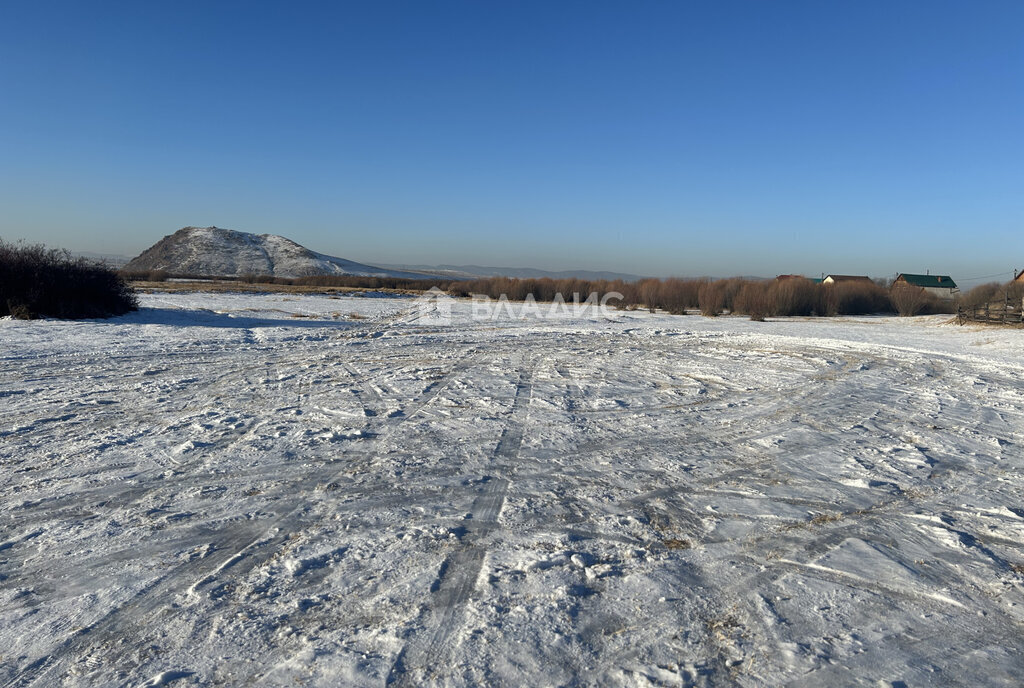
[[228, 253]]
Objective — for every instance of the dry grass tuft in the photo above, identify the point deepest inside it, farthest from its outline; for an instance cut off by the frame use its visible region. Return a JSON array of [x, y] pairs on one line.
[[675, 543]]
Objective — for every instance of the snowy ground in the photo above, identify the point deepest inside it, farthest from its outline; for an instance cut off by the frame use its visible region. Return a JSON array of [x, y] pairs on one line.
[[214, 492]]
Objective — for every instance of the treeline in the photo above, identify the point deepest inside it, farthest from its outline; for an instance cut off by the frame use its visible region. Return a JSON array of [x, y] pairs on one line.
[[755, 298], [36, 281], [993, 293], [793, 297], [758, 299]]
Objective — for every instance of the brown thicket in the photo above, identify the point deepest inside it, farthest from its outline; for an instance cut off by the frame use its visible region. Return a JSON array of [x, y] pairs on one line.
[[908, 300], [758, 299], [982, 294], [36, 281]]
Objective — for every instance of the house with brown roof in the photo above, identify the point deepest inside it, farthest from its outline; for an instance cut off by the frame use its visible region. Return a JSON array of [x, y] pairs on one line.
[[812, 280]]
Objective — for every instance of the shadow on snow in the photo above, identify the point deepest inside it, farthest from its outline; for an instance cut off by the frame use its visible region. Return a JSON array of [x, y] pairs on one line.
[[200, 317]]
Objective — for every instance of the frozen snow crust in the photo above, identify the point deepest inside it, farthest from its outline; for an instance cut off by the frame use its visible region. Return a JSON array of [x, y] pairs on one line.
[[279, 490]]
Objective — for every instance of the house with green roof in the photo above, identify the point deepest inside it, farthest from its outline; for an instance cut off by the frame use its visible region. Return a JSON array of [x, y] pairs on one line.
[[836, 279], [942, 286]]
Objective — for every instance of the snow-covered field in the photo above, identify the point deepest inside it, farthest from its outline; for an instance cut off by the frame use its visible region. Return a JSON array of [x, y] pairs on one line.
[[214, 492]]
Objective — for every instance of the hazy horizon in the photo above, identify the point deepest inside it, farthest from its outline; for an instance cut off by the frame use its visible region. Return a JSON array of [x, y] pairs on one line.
[[449, 265], [735, 138]]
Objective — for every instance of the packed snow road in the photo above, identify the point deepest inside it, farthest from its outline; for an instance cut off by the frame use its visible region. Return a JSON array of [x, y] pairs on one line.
[[272, 490]]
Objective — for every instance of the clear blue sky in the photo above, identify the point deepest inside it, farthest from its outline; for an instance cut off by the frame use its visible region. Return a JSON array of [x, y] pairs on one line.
[[659, 138]]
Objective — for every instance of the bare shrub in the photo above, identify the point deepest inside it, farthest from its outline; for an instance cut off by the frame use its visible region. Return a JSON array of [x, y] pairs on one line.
[[673, 294], [719, 296], [937, 306], [1015, 290], [144, 275], [712, 298], [857, 298], [909, 300], [19, 311], [648, 292], [993, 294], [982, 294], [36, 281], [797, 296], [754, 299], [679, 295]]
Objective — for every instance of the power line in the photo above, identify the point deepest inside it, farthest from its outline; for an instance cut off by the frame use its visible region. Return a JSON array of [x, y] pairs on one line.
[[975, 279]]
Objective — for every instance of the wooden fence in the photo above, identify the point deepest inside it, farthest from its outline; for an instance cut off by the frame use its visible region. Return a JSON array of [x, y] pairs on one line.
[[1005, 312]]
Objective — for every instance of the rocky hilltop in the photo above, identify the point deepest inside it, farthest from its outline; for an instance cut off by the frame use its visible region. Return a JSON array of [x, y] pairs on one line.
[[226, 253]]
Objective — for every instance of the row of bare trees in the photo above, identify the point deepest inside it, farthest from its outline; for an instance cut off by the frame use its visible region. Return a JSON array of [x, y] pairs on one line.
[[792, 297], [756, 298]]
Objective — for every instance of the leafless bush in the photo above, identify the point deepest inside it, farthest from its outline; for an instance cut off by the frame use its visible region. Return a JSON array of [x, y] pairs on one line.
[[993, 296], [909, 300], [718, 296], [754, 299], [546, 289], [797, 296], [144, 275], [36, 281], [1015, 291], [677, 295], [673, 294], [982, 294], [937, 306], [856, 298], [711, 299]]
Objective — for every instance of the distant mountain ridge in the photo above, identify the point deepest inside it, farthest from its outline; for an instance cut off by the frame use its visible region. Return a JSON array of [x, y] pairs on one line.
[[222, 252], [112, 260], [470, 271]]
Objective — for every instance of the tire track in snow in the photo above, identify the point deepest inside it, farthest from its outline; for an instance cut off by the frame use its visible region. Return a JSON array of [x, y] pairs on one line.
[[256, 379], [432, 647], [456, 588], [111, 626], [743, 432], [260, 552], [120, 495], [906, 393], [241, 552]]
